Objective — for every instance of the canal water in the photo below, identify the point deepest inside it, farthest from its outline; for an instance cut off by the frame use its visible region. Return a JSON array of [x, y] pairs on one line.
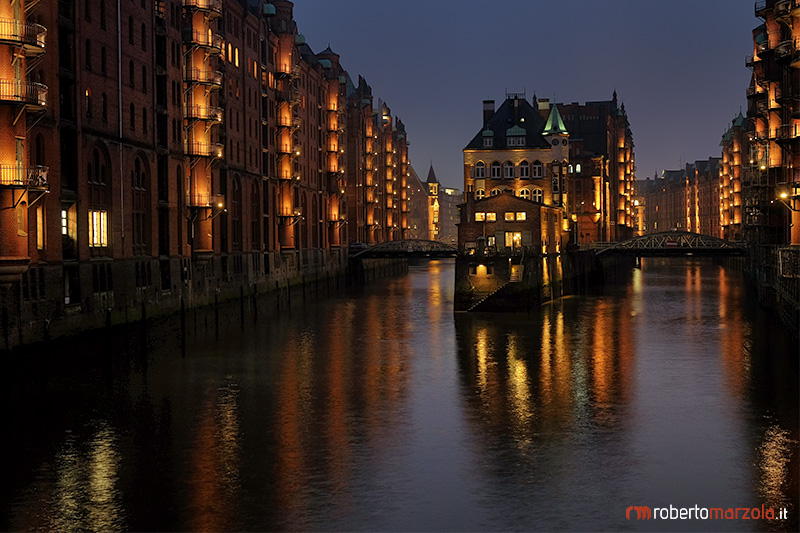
[[379, 409]]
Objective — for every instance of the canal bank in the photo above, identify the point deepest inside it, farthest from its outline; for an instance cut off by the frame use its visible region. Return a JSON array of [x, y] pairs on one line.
[[284, 277]]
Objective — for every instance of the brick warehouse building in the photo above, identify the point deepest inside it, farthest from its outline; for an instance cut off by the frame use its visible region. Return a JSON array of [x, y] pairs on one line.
[[176, 150]]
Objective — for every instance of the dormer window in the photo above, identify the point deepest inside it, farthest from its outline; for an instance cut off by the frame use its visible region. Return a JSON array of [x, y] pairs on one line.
[[488, 138], [516, 141]]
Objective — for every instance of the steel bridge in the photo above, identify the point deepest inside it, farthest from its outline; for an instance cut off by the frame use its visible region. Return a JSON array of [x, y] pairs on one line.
[[408, 248], [669, 243]]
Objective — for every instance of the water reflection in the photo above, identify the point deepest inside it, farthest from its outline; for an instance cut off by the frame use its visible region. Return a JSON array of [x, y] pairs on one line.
[[382, 410]]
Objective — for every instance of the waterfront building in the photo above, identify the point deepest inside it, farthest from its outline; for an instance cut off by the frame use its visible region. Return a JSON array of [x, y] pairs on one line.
[[734, 141], [772, 165], [172, 152], [601, 142], [685, 200]]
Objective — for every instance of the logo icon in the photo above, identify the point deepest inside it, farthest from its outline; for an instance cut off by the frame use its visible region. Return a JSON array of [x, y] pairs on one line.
[[642, 512]]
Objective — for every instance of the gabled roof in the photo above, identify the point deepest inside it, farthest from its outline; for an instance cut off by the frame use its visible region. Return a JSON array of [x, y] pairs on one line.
[[555, 125], [525, 117]]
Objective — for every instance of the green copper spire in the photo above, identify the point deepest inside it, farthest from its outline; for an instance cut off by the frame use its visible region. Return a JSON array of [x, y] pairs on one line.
[[554, 123]]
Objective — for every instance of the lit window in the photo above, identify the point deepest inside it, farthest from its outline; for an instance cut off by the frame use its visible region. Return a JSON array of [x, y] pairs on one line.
[[509, 216], [525, 193], [63, 221], [578, 168], [479, 194], [480, 217], [98, 229], [521, 215], [491, 217], [236, 57], [536, 195]]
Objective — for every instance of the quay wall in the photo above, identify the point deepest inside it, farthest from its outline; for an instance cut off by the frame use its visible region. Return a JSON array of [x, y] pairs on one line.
[[27, 318], [514, 283]]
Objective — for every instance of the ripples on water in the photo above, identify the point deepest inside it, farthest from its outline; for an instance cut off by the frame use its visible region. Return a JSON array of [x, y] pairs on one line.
[[381, 410]]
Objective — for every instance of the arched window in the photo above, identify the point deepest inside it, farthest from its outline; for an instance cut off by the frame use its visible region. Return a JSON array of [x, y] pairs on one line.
[[104, 107], [88, 101], [495, 169], [102, 14], [508, 170], [524, 170], [87, 48], [537, 170], [144, 37], [144, 120], [130, 30], [480, 193], [569, 169], [578, 168], [131, 79], [133, 116], [496, 191], [103, 61], [537, 196], [555, 185], [480, 170], [144, 79], [525, 193]]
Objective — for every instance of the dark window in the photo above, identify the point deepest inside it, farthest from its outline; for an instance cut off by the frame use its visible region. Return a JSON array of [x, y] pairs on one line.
[[130, 30], [144, 37], [144, 79], [103, 61], [133, 117], [88, 53], [102, 14]]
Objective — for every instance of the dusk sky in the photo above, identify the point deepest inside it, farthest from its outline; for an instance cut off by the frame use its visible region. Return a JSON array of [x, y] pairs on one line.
[[677, 65]]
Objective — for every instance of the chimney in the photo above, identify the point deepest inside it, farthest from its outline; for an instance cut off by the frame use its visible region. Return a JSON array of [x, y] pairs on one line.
[[488, 111], [544, 107]]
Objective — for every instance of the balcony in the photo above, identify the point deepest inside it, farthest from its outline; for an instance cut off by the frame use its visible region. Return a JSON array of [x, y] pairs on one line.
[[288, 71], [23, 92], [203, 149], [207, 40], [23, 177], [294, 123], [203, 112], [213, 201], [203, 76], [26, 34], [786, 133], [211, 7], [288, 149]]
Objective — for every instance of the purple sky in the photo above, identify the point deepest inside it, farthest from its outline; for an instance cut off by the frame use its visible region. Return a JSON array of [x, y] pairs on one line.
[[677, 65]]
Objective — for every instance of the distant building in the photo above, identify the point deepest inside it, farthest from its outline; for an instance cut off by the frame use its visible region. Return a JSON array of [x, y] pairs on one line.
[[418, 207], [443, 214], [449, 214], [734, 141]]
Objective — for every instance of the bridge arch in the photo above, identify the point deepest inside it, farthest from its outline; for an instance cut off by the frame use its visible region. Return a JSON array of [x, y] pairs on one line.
[[408, 248], [668, 243]]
